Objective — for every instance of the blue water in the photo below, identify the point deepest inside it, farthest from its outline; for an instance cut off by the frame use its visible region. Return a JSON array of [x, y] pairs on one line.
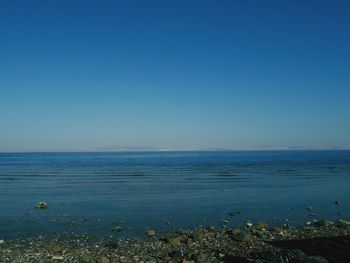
[[92, 192]]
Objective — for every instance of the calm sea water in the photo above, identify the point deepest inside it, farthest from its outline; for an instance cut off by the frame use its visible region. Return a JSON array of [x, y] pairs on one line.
[[92, 192]]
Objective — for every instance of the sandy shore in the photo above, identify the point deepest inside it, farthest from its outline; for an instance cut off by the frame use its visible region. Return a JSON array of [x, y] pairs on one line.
[[317, 241]]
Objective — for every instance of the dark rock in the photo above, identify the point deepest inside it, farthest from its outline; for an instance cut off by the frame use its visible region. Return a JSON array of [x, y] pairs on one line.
[[176, 256], [117, 229], [234, 213], [316, 259], [323, 223], [212, 228], [242, 237]]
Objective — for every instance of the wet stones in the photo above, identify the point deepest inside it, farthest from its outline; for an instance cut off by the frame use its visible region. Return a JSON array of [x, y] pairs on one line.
[[262, 225], [323, 223], [239, 235]]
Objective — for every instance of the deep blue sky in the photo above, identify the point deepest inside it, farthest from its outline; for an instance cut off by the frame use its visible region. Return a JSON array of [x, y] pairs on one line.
[[85, 75]]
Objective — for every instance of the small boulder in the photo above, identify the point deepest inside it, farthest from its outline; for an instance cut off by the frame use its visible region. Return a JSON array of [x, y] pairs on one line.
[[151, 232], [323, 223], [310, 208], [262, 225], [117, 229], [41, 205], [57, 249], [174, 241], [105, 259], [234, 213], [212, 228]]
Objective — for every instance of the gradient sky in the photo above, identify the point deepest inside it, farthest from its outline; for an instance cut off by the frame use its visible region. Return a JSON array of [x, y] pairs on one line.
[[87, 75]]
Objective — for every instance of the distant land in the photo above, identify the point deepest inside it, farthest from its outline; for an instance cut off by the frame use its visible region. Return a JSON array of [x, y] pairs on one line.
[[165, 149]]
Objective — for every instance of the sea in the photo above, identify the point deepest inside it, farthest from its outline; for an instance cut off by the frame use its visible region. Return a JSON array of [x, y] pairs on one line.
[[94, 192]]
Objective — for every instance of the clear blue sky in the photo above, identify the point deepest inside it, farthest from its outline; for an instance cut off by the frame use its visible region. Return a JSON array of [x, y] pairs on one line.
[[85, 75]]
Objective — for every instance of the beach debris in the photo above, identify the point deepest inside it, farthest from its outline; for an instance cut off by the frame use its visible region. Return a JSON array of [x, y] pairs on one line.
[[225, 222], [151, 232], [41, 205]]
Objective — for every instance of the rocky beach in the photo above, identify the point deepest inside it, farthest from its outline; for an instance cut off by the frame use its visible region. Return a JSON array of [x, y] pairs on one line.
[[317, 241]]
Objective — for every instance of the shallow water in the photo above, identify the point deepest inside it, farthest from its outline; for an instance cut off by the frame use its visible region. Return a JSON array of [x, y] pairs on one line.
[[92, 192]]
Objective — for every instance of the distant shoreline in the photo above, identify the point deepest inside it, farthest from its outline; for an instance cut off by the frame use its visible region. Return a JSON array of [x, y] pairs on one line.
[[183, 151]]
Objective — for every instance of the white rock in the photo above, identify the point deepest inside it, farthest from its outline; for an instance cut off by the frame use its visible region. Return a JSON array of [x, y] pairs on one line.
[[57, 257]]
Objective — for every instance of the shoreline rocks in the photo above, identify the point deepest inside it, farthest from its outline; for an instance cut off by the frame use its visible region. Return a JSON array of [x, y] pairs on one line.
[[254, 243]]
